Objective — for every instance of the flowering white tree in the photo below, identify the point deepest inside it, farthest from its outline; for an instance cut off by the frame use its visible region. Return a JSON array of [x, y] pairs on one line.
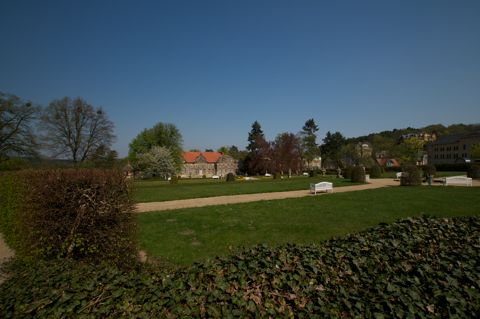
[[158, 162]]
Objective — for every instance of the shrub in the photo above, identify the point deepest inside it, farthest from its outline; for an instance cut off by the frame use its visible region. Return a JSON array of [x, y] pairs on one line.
[[474, 171], [347, 172], [429, 170], [277, 175], [174, 179], [78, 214], [204, 176], [230, 177], [406, 269], [375, 171], [312, 173], [460, 167], [358, 174], [410, 176], [9, 195]]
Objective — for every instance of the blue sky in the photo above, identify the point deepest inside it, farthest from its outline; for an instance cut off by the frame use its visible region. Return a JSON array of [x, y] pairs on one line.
[[214, 67]]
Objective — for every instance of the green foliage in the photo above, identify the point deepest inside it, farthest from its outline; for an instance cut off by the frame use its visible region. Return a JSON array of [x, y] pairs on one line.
[[418, 267], [332, 145], [429, 170], [174, 179], [452, 167], [161, 134], [81, 214], [347, 172], [358, 174], [230, 177], [375, 171], [253, 136], [310, 148], [475, 151], [312, 173], [9, 195], [474, 171], [411, 176]]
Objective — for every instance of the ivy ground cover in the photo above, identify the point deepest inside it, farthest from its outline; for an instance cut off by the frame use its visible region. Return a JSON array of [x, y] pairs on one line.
[[159, 190], [415, 268], [185, 236]]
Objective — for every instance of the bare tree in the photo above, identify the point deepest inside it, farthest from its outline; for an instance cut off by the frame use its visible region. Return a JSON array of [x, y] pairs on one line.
[[75, 129], [16, 133]]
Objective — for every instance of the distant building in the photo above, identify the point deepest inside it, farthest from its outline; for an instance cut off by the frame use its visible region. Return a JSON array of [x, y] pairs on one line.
[[424, 136], [316, 163], [199, 164], [364, 149], [387, 162], [452, 149]]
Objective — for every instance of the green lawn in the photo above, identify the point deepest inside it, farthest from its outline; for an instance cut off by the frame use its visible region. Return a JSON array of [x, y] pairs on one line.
[[185, 236], [157, 191]]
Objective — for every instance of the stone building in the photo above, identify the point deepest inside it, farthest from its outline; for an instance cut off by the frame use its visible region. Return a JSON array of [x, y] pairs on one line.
[[198, 164], [452, 149]]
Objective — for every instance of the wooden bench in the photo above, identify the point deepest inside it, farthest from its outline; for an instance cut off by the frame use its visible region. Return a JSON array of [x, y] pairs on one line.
[[457, 180], [321, 187]]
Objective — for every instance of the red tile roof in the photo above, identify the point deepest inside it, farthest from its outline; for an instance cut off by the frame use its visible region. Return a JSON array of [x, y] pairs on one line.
[[210, 157]]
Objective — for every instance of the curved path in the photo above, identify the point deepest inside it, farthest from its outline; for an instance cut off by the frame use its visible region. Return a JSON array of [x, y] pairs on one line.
[[244, 198]]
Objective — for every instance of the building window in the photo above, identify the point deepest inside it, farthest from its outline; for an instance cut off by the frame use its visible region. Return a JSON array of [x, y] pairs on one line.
[[464, 146]]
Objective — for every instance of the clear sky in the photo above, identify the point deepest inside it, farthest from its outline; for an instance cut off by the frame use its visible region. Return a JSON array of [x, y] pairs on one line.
[[213, 67]]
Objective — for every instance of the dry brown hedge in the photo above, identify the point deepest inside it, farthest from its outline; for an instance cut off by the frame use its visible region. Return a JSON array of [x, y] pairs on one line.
[[81, 214]]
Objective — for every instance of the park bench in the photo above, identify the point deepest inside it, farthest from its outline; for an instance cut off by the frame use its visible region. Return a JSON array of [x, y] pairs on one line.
[[398, 175], [457, 180], [321, 187]]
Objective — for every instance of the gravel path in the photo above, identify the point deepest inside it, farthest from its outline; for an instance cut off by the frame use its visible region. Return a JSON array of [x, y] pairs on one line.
[[245, 198]]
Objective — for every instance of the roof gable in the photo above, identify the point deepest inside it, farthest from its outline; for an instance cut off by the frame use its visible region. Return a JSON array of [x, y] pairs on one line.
[[209, 157]]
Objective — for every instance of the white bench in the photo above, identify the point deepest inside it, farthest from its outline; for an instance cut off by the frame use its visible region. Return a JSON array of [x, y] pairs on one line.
[[457, 180], [398, 175], [321, 187]]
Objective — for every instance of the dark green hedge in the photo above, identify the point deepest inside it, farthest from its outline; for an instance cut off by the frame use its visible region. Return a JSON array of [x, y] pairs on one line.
[[418, 268], [411, 176]]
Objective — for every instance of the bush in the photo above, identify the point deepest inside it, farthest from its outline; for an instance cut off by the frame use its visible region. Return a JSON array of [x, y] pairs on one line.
[[358, 174], [375, 171], [474, 171], [312, 173], [230, 177], [410, 176], [277, 175], [174, 179], [347, 172], [429, 170], [406, 269], [82, 214], [9, 195], [460, 167]]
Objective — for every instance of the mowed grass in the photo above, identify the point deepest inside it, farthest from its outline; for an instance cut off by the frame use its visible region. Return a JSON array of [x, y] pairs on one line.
[[184, 236], [158, 191], [437, 175]]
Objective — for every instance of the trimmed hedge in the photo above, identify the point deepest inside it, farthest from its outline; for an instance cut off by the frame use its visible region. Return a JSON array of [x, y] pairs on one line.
[[411, 176], [230, 177], [474, 171], [358, 174], [375, 171], [82, 214], [418, 267]]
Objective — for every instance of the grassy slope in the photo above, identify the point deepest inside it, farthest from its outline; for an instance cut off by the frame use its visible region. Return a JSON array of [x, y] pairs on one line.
[[157, 191], [185, 236]]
